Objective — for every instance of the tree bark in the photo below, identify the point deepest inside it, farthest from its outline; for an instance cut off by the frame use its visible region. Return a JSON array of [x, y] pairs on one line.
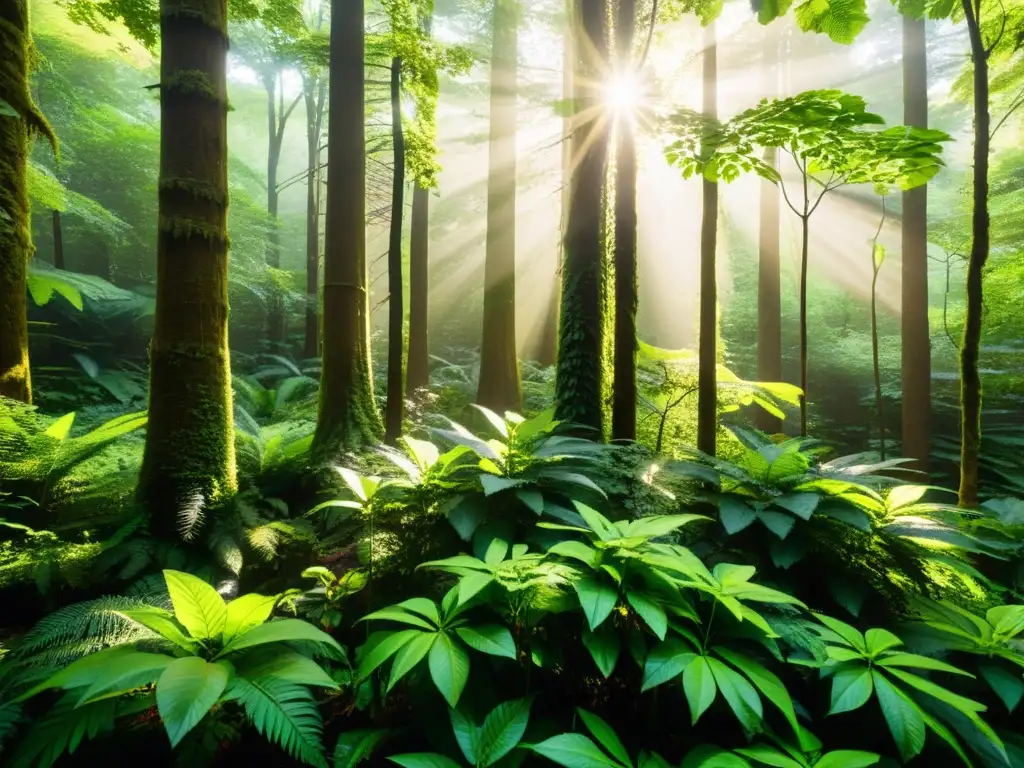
[[916, 358], [347, 415], [189, 459], [970, 348], [58, 241], [396, 302], [418, 374], [581, 359], [804, 244], [769, 297], [707, 379], [275, 312], [15, 226], [315, 92], [500, 388]]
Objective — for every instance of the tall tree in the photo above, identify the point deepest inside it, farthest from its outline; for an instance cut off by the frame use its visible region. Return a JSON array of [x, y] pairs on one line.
[[580, 366], [19, 120], [314, 88], [916, 362], [624, 372], [189, 459], [396, 303], [769, 297], [707, 379], [500, 387], [347, 414], [418, 373]]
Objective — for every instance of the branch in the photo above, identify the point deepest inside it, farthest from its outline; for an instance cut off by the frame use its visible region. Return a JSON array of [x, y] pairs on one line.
[[650, 34], [284, 118], [1017, 102], [1002, 27]]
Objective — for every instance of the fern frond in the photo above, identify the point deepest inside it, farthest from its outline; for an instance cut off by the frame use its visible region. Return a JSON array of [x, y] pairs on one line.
[[63, 729], [10, 718], [285, 713], [264, 540], [191, 514]]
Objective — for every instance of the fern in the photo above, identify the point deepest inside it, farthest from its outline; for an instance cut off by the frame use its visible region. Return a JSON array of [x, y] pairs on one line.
[[63, 729], [285, 713]]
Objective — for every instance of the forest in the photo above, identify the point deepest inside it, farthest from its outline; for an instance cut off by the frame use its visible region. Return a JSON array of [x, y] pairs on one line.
[[444, 383]]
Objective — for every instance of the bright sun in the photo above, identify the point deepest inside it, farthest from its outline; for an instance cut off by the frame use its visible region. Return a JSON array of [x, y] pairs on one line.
[[623, 92]]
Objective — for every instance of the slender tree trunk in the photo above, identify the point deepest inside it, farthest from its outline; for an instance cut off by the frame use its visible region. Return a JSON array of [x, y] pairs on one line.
[[58, 241], [707, 380], [347, 415], [275, 312], [916, 362], [580, 367], [189, 459], [970, 348], [769, 297], [418, 375], [877, 257], [15, 226], [624, 387], [315, 91], [396, 302], [500, 388], [804, 243]]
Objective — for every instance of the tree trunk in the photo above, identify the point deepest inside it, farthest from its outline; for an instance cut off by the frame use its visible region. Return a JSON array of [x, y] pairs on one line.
[[418, 375], [707, 379], [916, 362], [580, 366], [275, 312], [624, 386], [347, 415], [970, 348], [189, 459], [315, 91], [500, 388], [876, 366], [15, 228], [58, 241], [769, 297], [804, 243], [396, 302]]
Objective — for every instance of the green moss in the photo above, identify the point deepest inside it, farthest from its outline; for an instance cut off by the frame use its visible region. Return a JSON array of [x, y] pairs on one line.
[[210, 14], [193, 82], [199, 189], [186, 226]]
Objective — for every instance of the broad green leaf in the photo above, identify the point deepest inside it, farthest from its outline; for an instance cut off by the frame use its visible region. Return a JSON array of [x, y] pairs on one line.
[[424, 760], [281, 630], [82, 673], [402, 617], [61, 428], [768, 755], [126, 673], [472, 584], [385, 649], [186, 691], [848, 758], [913, 660], [961, 703], [466, 734], [650, 611], [879, 640], [605, 736], [597, 522], [665, 662], [740, 695], [597, 599], [282, 663], [777, 522], [246, 612], [493, 484], [1009, 686], [409, 655], [163, 623], [699, 687], [422, 606], [502, 730], [1006, 620], [767, 683], [800, 504], [574, 750], [851, 689], [905, 721], [604, 647], [449, 668], [532, 499], [494, 419], [466, 514], [492, 639], [904, 495], [734, 515], [576, 550], [659, 525], [355, 746], [710, 756], [844, 631], [196, 604]]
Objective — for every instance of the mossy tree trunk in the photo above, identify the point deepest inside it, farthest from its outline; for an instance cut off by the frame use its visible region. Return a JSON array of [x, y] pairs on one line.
[[418, 374], [189, 458], [581, 359], [15, 225], [58, 241], [500, 388], [916, 362], [624, 373], [970, 348], [707, 378], [347, 415], [769, 297], [315, 94], [396, 302]]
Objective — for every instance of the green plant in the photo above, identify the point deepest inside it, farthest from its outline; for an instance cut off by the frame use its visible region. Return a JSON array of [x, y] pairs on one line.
[[322, 604], [574, 750], [202, 654]]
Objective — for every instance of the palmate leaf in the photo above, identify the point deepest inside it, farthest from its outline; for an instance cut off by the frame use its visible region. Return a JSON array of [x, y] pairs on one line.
[[904, 718], [699, 687], [186, 691], [285, 713], [449, 668]]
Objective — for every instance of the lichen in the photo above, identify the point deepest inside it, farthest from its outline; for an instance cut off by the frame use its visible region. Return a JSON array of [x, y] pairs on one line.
[[198, 189], [194, 82]]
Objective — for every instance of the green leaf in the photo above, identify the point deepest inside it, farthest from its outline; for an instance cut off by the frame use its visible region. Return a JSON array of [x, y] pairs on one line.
[[424, 607], [597, 599], [282, 663], [61, 428], [605, 736], [186, 691], [472, 584], [285, 714], [841, 20], [961, 703], [905, 721], [410, 654], [466, 514], [650, 611], [532, 499], [281, 630], [740, 695], [851, 689], [466, 734], [6, 110], [658, 525], [246, 612], [576, 550], [604, 646], [710, 756], [502, 730], [1008, 686], [879, 640], [767, 755], [574, 750], [597, 522], [699, 687], [734, 515], [913, 660], [449, 668], [388, 646], [163, 623], [396, 614], [665, 662], [848, 758], [778, 523], [767, 683], [355, 746], [800, 504], [493, 484], [126, 673], [844, 631], [492, 639], [424, 760], [196, 604]]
